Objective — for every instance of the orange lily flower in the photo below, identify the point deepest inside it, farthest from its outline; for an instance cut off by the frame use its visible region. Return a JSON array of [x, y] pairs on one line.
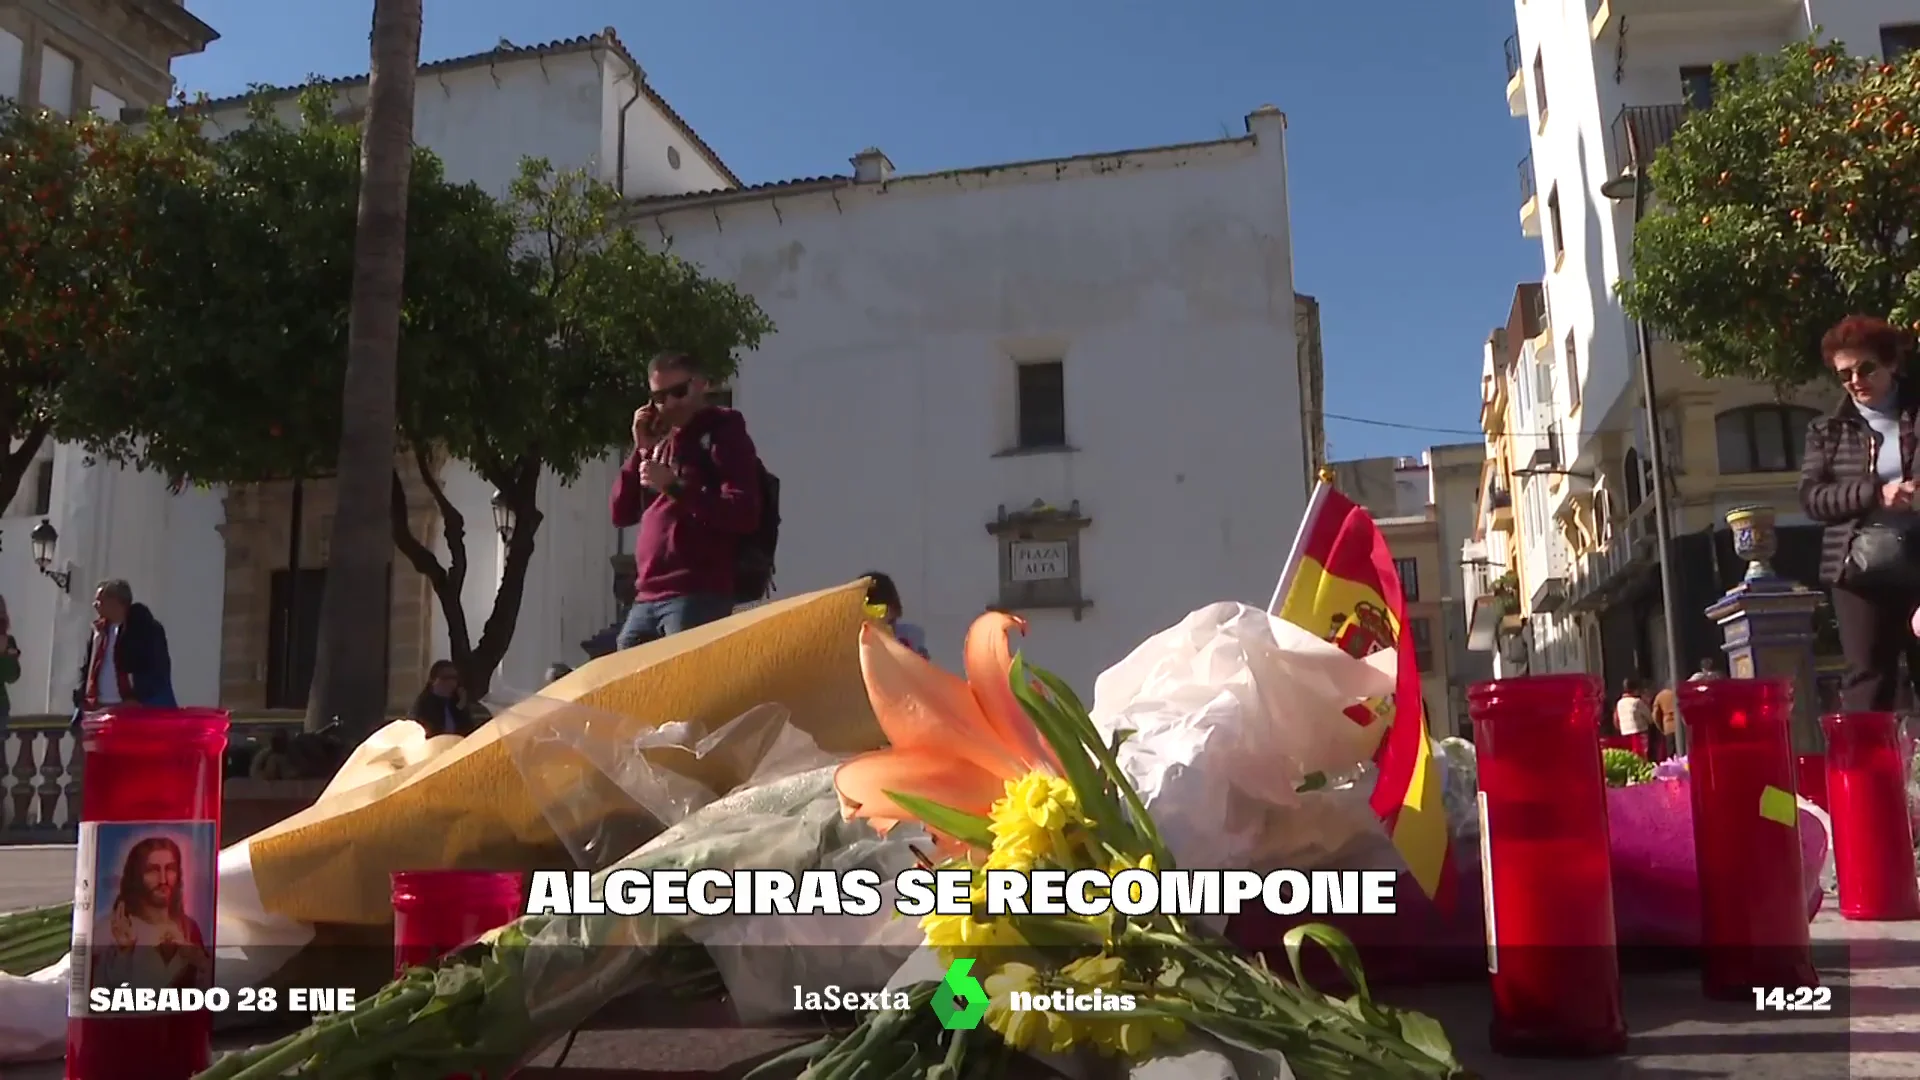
[[954, 742]]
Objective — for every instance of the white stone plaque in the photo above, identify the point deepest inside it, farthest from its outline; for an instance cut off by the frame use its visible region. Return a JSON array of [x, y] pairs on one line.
[[1040, 561]]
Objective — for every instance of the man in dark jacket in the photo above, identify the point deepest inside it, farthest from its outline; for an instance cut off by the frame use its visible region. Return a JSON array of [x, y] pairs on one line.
[[692, 485], [127, 660]]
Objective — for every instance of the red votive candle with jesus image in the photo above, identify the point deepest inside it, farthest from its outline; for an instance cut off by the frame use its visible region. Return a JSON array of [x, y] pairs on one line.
[[438, 911], [1544, 860], [1872, 834], [146, 872], [1746, 837]]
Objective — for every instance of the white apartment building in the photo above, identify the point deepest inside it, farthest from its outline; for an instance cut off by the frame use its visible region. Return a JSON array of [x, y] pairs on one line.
[[1597, 81]]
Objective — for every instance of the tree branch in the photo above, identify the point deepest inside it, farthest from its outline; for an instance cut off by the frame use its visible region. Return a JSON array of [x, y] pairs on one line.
[[519, 489], [13, 467], [453, 524], [423, 560]]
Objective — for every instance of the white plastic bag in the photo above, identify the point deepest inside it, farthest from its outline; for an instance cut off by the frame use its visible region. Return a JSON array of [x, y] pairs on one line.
[[1232, 710]]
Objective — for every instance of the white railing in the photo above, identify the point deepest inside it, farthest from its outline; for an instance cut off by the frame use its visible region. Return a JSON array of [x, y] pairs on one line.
[[40, 773]]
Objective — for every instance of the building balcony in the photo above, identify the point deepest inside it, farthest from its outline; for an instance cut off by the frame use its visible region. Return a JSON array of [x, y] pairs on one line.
[[1550, 586], [1516, 78], [1489, 594], [1500, 508], [1544, 455], [1649, 15], [1641, 130], [1529, 199], [1627, 559], [1527, 319]]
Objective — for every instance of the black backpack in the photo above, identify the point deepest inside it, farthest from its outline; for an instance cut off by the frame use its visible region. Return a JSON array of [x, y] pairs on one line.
[[753, 558]]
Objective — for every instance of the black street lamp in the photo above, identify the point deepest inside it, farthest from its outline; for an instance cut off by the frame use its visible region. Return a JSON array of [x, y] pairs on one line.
[[44, 538], [502, 518], [1637, 187]]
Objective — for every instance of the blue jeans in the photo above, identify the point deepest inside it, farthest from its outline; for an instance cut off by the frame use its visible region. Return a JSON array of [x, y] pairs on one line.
[[651, 620]]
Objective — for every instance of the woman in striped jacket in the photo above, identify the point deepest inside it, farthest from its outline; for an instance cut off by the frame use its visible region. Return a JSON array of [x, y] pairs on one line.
[[1859, 461]]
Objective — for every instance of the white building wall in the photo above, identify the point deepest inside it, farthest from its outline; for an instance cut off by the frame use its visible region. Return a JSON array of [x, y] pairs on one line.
[[167, 547], [885, 396]]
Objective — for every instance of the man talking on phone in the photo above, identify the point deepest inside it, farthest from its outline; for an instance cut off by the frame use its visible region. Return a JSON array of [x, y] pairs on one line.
[[692, 484]]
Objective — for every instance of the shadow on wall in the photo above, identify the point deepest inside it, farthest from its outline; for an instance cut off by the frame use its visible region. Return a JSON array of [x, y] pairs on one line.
[[1591, 253]]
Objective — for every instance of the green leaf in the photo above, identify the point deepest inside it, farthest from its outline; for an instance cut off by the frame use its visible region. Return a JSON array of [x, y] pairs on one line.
[[962, 826], [1425, 1034], [1313, 782], [1345, 955]]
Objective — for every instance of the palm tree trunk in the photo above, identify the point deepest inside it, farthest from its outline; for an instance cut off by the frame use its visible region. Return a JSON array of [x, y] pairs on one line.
[[350, 669]]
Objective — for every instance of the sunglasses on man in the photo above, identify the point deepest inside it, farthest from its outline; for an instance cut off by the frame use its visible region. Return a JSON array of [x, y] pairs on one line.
[[671, 393]]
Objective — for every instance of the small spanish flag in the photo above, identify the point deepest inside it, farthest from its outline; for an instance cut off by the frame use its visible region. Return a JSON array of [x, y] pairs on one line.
[[1340, 583]]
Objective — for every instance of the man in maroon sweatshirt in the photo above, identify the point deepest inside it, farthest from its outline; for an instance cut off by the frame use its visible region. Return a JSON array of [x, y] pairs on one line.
[[692, 484]]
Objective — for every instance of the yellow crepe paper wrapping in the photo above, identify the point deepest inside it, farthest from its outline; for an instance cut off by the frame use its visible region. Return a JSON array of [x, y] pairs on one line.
[[468, 807]]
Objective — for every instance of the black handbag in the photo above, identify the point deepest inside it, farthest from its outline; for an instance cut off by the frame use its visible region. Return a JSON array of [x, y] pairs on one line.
[[1884, 553]]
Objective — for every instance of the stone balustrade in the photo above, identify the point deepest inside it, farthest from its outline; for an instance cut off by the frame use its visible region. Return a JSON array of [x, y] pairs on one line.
[[40, 777]]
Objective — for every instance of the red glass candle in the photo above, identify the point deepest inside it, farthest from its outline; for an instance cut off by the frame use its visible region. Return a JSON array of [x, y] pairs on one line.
[[438, 911], [1551, 952], [1872, 836], [145, 876], [1746, 837]]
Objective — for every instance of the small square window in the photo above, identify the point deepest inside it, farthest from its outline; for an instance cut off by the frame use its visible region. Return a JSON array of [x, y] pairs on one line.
[[106, 104], [1540, 83], [1408, 571], [56, 81], [1422, 643], [1041, 405], [1553, 222], [1573, 373], [1898, 41], [42, 488]]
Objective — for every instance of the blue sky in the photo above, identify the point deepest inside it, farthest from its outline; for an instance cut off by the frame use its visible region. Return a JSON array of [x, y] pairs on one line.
[[1403, 157]]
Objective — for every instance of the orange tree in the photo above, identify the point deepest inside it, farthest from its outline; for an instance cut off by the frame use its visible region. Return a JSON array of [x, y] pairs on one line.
[[77, 258], [1788, 205], [526, 327], [230, 369]]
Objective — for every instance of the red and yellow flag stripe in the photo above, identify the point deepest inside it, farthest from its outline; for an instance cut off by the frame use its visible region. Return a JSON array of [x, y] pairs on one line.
[[1341, 584]]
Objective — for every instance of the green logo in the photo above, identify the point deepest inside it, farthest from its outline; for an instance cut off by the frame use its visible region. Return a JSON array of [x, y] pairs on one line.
[[961, 1002]]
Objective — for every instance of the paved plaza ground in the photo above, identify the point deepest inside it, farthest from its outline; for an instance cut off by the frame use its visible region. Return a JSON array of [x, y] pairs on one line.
[[1874, 967]]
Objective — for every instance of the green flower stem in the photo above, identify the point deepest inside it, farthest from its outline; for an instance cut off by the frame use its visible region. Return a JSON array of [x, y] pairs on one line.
[[1081, 722], [276, 1058], [32, 950]]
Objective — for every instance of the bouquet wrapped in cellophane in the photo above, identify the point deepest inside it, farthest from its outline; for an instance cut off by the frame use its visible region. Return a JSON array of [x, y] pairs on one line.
[[1009, 772]]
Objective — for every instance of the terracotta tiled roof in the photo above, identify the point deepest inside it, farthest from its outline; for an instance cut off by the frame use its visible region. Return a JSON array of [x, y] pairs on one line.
[[772, 187], [509, 52]]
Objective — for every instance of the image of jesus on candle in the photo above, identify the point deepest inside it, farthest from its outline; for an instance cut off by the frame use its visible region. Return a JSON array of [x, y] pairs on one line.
[[146, 938]]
